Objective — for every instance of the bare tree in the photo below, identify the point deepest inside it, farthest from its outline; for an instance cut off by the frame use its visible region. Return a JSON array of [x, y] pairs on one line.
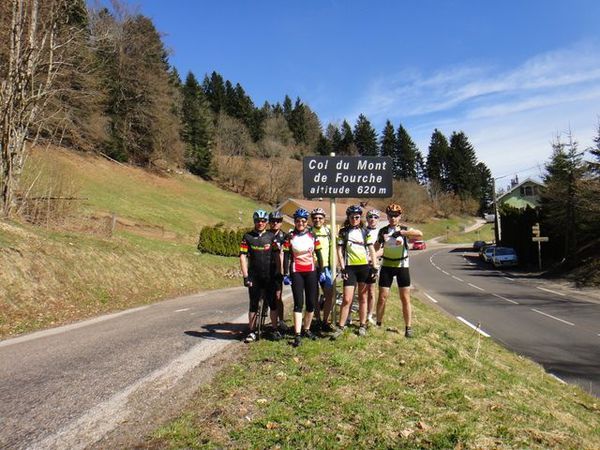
[[30, 64]]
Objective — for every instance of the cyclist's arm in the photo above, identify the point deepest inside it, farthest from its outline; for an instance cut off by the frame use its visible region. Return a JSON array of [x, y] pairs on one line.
[[340, 256], [244, 264]]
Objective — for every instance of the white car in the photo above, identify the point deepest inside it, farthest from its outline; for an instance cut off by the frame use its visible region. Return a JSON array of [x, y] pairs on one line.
[[504, 257]]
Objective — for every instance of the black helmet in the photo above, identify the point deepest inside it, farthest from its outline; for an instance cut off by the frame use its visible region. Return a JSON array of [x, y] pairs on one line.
[[275, 215], [354, 209]]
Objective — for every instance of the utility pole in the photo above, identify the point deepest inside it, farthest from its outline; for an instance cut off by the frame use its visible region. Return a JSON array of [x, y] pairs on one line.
[[497, 226]]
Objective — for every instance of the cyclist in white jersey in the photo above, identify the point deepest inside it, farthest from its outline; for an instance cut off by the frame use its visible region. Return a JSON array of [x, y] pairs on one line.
[[394, 240], [372, 228]]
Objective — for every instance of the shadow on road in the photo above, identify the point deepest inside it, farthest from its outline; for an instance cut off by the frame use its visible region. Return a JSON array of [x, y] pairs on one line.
[[226, 331]]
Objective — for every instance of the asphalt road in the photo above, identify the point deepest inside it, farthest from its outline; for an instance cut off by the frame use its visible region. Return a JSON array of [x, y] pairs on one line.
[[558, 328], [67, 387]]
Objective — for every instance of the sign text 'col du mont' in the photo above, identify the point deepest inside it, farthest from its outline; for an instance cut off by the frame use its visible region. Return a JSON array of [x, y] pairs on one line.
[[347, 176]]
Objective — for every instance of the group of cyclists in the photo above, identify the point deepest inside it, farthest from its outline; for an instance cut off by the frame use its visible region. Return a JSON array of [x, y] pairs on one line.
[[270, 258]]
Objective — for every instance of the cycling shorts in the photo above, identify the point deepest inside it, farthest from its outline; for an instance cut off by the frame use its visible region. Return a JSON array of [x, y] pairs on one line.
[[261, 288], [357, 274], [387, 274]]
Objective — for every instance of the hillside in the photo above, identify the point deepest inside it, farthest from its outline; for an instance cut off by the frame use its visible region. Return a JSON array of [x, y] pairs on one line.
[[70, 265]]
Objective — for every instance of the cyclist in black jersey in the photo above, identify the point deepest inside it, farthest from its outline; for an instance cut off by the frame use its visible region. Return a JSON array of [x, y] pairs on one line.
[[275, 221], [256, 253]]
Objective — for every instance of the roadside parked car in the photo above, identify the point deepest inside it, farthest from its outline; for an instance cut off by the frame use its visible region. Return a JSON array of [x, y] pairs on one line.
[[478, 244], [486, 253], [419, 245], [504, 257]]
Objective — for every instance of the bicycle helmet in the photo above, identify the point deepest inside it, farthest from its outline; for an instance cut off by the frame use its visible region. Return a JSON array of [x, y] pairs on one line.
[[301, 213], [275, 215], [373, 213], [354, 209], [318, 212], [393, 208], [260, 214]]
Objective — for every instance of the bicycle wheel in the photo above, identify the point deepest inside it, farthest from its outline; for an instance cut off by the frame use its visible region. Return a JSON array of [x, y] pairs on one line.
[[263, 309]]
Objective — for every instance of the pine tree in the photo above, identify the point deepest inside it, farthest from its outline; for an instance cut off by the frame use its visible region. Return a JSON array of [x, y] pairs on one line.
[[461, 166], [324, 147], [334, 137], [595, 152], [485, 187], [421, 169], [387, 142], [560, 196], [287, 108], [197, 128], [437, 162], [214, 89], [406, 151], [297, 121], [365, 137], [347, 146]]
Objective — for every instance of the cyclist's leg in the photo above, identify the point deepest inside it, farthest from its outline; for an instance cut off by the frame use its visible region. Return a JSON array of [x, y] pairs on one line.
[[328, 305], [254, 295], [272, 301], [349, 286], [311, 289], [386, 278], [363, 292], [403, 279], [298, 293], [371, 295]]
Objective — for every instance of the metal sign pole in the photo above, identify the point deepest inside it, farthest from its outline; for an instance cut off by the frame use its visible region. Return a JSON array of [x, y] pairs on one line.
[[333, 254]]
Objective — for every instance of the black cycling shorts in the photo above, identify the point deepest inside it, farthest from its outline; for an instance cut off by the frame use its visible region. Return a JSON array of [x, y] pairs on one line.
[[261, 287], [387, 274], [305, 284], [357, 274]]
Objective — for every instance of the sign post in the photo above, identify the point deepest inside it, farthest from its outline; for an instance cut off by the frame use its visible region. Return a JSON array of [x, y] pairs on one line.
[[345, 177], [535, 230]]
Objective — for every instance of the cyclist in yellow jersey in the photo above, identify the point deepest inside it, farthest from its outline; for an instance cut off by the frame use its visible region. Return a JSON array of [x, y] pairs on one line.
[[323, 233], [354, 247], [394, 240]]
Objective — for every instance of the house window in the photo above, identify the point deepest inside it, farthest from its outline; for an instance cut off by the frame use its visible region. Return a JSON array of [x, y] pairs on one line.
[[522, 191], [528, 191]]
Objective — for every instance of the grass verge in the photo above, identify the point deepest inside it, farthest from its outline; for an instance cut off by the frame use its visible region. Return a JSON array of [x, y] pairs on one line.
[[447, 388], [485, 233], [443, 227]]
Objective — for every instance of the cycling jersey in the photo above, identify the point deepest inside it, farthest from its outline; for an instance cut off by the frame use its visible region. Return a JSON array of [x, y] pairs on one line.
[[323, 234], [372, 237], [302, 247], [355, 245], [259, 249], [278, 240], [395, 249]]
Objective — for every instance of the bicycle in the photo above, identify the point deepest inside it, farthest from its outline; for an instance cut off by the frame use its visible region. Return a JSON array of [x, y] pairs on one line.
[[263, 312]]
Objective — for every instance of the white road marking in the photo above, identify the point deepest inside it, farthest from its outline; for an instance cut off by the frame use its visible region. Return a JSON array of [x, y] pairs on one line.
[[559, 379], [551, 291], [456, 278], [182, 310], [476, 287], [438, 268], [509, 279], [443, 271], [507, 299], [552, 317], [431, 298], [65, 328], [470, 325]]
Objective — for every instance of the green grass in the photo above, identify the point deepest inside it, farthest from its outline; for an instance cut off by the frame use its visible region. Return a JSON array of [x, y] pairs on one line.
[[485, 233], [72, 269], [447, 388], [439, 227]]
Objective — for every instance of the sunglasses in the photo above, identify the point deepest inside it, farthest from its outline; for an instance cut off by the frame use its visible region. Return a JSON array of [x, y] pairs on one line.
[[318, 218], [355, 217], [394, 215], [372, 217], [276, 220], [260, 220], [300, 220]]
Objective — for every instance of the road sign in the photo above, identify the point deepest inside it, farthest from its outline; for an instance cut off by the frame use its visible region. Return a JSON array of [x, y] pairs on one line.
[[540, 239], [347, 176]]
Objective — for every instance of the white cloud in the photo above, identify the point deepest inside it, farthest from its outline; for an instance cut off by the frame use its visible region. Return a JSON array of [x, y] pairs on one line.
[[510, 115]]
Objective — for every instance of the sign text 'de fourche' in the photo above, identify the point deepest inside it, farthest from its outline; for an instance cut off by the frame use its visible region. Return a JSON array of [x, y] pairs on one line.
[[347, 176]]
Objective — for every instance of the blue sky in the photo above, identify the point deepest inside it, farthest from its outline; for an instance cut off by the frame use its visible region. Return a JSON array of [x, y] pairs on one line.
[[510, 74]]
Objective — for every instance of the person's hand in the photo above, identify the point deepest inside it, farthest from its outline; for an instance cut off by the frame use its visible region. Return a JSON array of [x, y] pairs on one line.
[[278, 278], [397, 234], [328, 278], [344, 274], [287, 280], [322, 277], [372, 274], [247, 282]]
